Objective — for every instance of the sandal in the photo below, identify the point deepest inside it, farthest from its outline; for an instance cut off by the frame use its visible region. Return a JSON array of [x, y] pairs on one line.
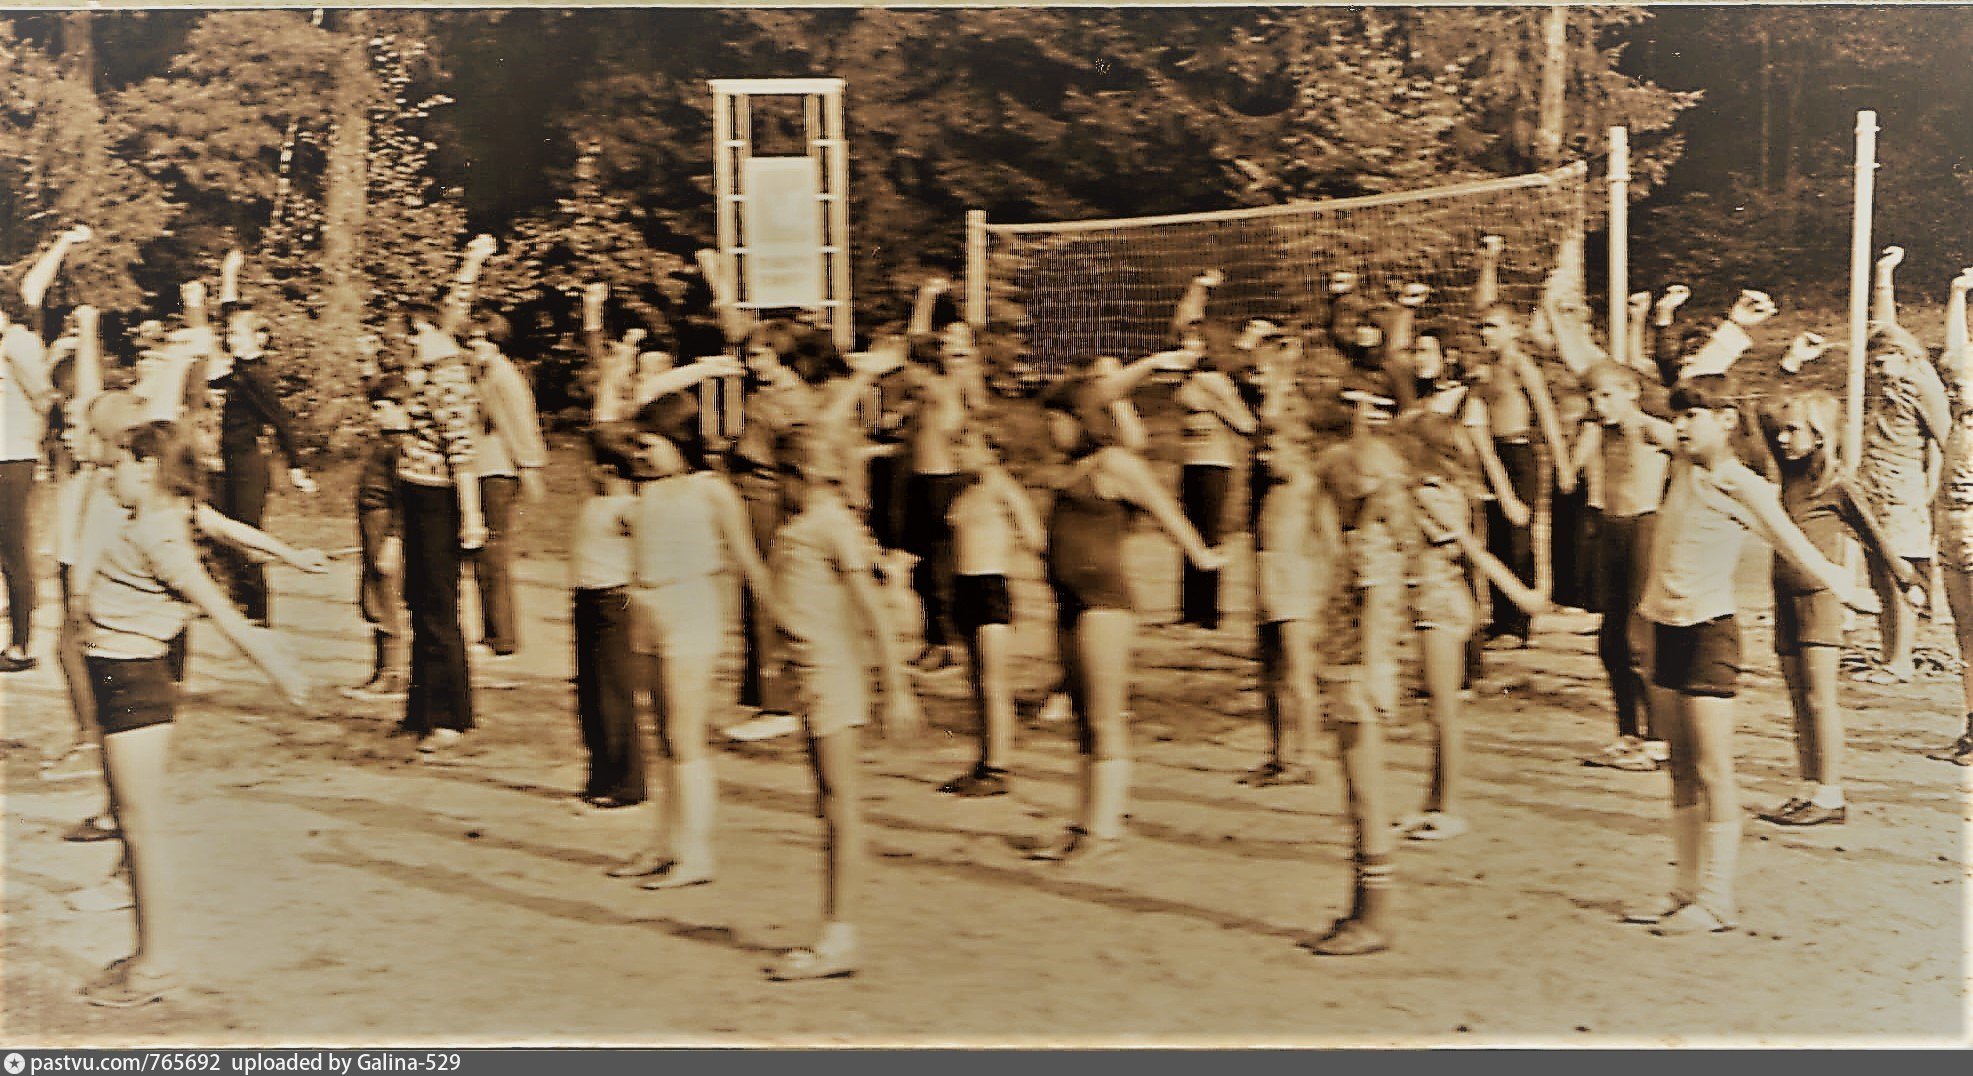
[[1276, 775], [1795, 803], [1653, 914], [1638, 761], [797, 965], [642, 865], [1691, 920], [1881, 677], [121, 986]]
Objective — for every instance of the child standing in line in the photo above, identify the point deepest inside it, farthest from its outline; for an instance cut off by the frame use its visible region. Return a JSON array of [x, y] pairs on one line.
[[988, 515], [380, 530], [147, 584], [831, 613], [1822, 500], [1361, 517], [1088, 525], [1955, 508], [689, 529], [1284, 599], [1712, 503]]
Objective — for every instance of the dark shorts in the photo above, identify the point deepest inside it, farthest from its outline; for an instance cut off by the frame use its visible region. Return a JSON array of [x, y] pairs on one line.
[[133, 694], [1800, 620], [979, 600], [1699, 659]]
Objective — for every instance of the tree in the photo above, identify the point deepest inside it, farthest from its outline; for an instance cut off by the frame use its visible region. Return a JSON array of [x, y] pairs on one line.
[[58, 167]]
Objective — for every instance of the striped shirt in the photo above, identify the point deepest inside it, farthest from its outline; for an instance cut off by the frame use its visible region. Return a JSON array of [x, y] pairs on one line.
[[444, 413]]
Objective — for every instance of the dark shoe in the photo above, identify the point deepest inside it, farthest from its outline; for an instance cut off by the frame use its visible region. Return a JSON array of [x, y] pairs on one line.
[[11, 662], [1959, 752], [977, 783], [1276, 775], [1779, 815], [90, 830], [1077, 847], [1808, 814]]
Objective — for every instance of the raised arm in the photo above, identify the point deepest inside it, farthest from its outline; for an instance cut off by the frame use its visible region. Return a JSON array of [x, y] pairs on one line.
[[1486, 290], [725, 299], [1731, 340], [1192, 304], [925, 303], [1957, 361], [1637, 334], [41, 275], [229, 276], [458, 305], [1664, 332], [1883, 287]]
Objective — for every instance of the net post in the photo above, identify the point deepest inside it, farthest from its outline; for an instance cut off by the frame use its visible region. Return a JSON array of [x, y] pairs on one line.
[[1619, 243], [1866, 179], [976, 280]]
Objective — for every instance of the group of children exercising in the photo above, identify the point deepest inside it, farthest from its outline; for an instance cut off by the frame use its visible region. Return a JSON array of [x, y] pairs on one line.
[[1395, 463]]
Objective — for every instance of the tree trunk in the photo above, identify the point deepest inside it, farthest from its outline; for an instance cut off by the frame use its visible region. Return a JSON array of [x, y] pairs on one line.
[[343, 203], [1554, 76], [83, 199], [1765, 159]]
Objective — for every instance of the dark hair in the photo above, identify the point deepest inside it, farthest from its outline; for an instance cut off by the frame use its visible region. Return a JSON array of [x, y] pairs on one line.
[[390, 387], [815, 359], [613, 445], [945, 311], [418, 310], [1706, 392], [497, 329], [925, 351], [674, 416], [179, 473]]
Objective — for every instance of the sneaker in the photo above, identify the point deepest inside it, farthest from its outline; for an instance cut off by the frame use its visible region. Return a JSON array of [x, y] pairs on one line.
[[93, 829], [1506, 642], [1788, 807], [1658, 751], [1689, 921], [382, 689], [1437, 826], [767, 725], [1808, 814], [977, 783], [441, 743], [78, 762], [1349, 937]]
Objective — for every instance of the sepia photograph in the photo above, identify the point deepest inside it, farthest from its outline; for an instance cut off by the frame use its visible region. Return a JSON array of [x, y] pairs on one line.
[[1090, 526]]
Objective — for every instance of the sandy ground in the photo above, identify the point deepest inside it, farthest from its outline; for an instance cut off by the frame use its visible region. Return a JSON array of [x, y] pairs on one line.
[[343, 894]]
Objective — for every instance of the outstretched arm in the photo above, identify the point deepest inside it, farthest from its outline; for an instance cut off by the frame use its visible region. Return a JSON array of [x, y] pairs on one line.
[[177, 566], [1767, 519], [257, 544], [41, 275], [1143, 489], [1530, 600]]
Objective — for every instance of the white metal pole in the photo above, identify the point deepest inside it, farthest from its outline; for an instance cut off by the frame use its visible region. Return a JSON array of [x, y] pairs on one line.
[[1866, 182], [1619, 242], [976, 280]]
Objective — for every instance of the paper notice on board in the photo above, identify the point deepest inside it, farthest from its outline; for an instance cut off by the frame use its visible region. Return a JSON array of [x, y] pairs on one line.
[[782, 216]]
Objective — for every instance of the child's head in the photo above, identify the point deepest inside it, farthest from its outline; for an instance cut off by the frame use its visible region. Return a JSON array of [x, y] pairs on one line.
[[1892, 347], [1805, 429], [815, 359], [1498, 328], [618, 449], [1613, 392], [977, 452], [156, 458], [1708, 415], [818, 459], [389, 396], [1079, 422], [673, 439]]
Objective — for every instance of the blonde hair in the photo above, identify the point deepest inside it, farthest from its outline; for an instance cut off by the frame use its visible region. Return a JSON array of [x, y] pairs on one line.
[[1822, 413]]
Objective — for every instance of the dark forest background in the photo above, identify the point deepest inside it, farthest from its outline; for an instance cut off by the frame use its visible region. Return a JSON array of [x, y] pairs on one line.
[[353, 151]]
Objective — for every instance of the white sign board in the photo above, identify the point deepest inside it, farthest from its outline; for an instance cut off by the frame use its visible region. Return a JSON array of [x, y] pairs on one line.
[[782, 221]]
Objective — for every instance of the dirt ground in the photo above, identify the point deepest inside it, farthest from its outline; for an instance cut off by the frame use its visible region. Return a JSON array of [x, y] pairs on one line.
[[341, 893]]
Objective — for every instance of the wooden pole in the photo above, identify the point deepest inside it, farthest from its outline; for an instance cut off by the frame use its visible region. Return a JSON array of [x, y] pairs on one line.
[[1554, 77], [976, 269], [1866, 182], [1619, 242]]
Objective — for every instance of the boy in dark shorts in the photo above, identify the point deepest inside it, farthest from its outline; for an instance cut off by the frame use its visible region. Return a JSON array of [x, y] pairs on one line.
[[379, 525], [1693, 640]]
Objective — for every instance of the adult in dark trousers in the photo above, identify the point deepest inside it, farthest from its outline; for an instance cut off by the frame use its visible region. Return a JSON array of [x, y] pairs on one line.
[[242, 394], [26, 395], [1215, 418], [439, 488], [509, 454]]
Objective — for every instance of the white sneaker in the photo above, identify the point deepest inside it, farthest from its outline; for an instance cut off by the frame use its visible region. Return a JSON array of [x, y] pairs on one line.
[[110, 895], [765, 726], [440, 742]]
